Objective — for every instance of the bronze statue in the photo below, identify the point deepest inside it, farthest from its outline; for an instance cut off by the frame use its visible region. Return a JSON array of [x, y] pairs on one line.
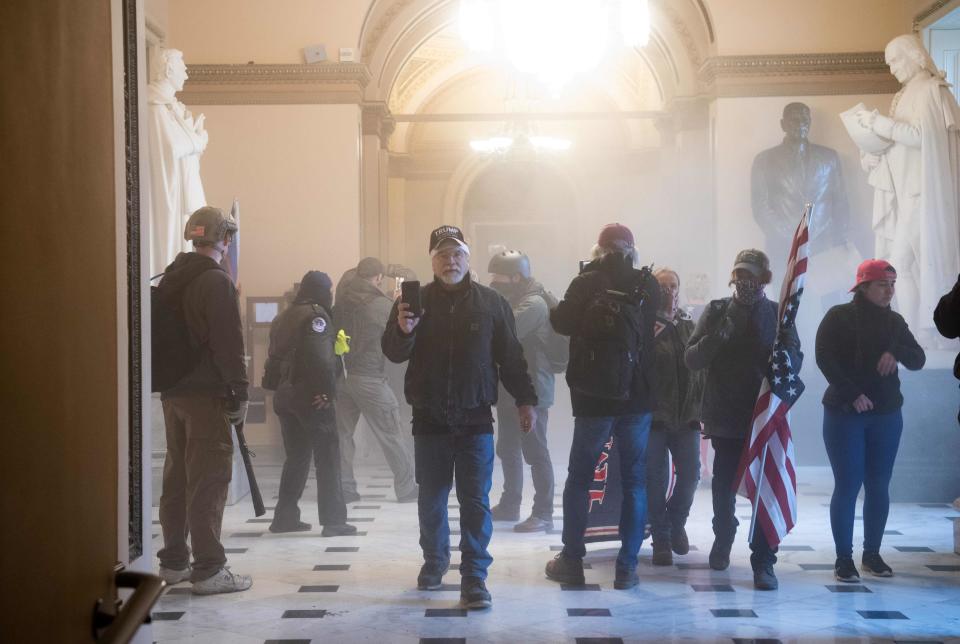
[[789, 175]]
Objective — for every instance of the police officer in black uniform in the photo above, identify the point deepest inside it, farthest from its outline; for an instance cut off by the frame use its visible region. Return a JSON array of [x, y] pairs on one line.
[[302, 350]]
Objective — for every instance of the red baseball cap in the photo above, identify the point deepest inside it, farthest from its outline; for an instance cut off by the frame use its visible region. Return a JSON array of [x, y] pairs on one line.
[[874, 269], [615, 236]]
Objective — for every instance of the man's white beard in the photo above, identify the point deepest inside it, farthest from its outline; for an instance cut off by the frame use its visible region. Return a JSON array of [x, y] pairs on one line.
[[452, 278]]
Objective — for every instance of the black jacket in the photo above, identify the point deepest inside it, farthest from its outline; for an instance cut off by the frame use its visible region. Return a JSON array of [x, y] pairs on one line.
[[362, 310], [735, 364], [610, 271], [850, 340], [947, 318], [465, 340], [679, 390], [212, 311], [303, 336]]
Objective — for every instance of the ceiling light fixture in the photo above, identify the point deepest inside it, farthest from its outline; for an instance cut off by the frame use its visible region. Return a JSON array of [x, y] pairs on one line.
[[553, 40]]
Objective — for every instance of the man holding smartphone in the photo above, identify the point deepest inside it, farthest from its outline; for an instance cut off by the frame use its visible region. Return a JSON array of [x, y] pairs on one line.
[[460, 339]]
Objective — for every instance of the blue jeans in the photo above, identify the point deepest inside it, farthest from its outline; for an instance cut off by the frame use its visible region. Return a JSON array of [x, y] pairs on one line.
[[684, 446], [436, 458], [630, 438], [862, 449]]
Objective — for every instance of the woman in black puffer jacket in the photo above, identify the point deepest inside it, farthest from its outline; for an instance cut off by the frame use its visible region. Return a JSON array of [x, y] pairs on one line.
[[858, 347]]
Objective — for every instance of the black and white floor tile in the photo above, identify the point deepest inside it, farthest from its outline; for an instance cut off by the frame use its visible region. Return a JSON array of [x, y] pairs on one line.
[[352, 589]]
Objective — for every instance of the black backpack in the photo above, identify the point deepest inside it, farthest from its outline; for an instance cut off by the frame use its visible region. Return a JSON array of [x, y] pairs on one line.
[[556, 347], [606, 352], [173, 356]]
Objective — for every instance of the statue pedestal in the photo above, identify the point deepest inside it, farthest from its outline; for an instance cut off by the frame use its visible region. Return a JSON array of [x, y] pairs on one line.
[[239, 485]]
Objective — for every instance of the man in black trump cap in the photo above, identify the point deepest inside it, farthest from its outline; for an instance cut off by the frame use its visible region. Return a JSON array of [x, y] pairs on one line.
[[463, 339]]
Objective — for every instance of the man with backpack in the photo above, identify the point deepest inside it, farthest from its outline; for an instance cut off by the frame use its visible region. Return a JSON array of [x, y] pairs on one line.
[[609, 311], [362, 311], [511, 277], [204, 394]]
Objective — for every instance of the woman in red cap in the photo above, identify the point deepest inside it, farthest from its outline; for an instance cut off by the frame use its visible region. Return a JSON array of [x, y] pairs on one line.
[[858, 347]]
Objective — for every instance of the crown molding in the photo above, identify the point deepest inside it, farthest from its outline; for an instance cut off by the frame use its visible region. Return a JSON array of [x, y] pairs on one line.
[[289, 84], [933, 12], [797, 75]]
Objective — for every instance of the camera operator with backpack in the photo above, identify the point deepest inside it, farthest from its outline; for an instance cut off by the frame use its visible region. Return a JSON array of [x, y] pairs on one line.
[[609, 312], [546, 353]]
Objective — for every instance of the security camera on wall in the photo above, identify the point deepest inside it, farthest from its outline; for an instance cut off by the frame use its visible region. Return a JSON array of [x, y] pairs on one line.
[[315, 53]]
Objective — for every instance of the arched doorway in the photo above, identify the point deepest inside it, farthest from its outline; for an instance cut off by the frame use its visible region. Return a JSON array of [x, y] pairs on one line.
[[524, 205]]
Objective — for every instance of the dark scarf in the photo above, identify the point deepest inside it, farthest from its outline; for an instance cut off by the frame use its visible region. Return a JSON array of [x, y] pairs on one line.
[[748, 292]]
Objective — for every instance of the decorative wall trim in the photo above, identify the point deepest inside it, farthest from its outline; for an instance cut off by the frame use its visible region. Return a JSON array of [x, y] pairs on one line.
[[275, 84], [933, 13], [376, 120], [797, 74]]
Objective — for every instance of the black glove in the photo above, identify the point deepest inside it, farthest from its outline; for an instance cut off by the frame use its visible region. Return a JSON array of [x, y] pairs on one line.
[[236, 411], [726, 329]]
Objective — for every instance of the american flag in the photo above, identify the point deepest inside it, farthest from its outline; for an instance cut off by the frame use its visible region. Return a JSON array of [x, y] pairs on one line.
[[767, 471]]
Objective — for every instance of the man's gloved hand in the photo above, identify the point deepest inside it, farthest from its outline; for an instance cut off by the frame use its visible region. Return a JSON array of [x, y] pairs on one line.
[[726, 328], [236, 411]]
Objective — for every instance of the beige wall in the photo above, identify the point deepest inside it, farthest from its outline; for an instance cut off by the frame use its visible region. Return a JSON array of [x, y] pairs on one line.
[[296, 171], [240, 31], [810, 26]]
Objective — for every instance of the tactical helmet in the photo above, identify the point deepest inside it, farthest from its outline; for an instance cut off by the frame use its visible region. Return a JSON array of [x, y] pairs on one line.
[[510, 262], [209, 224]]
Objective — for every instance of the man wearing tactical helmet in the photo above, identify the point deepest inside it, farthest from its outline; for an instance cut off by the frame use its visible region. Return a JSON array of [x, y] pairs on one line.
[[510, 276], [199, 410]]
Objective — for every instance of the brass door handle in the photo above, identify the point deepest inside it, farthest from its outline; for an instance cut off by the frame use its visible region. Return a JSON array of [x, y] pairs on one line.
[[122, 626]]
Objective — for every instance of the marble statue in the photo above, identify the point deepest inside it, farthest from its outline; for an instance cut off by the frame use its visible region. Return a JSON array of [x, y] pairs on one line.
[[177, 140], [916, 181], [786, 177]]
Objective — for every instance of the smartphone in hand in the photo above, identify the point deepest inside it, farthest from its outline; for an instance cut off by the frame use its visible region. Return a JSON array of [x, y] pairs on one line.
[[410, 294]]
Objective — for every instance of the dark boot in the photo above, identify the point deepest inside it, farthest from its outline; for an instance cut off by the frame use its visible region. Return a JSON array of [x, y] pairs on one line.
[[764, 579], [679, 541], [299, 526], [625, 578], [501, 513], [341, 530], [566, 570], [474, 594], [662, 555], [720, 555], [431, 576]]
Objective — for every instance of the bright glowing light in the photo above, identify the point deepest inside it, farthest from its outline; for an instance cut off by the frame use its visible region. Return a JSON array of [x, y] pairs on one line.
[[477, 27], [493, 144], [553, 40], [550, 143], [635, 22], [509, 144]]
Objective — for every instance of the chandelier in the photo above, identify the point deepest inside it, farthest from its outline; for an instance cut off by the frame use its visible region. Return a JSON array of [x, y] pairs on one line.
[[553, 40]]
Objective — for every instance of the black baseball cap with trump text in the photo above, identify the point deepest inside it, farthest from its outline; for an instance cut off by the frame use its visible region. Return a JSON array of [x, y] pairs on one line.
[[443, 233]]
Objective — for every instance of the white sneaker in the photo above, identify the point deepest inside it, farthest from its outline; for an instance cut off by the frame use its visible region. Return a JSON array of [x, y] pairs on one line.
[[223, 581], [174, 577]]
